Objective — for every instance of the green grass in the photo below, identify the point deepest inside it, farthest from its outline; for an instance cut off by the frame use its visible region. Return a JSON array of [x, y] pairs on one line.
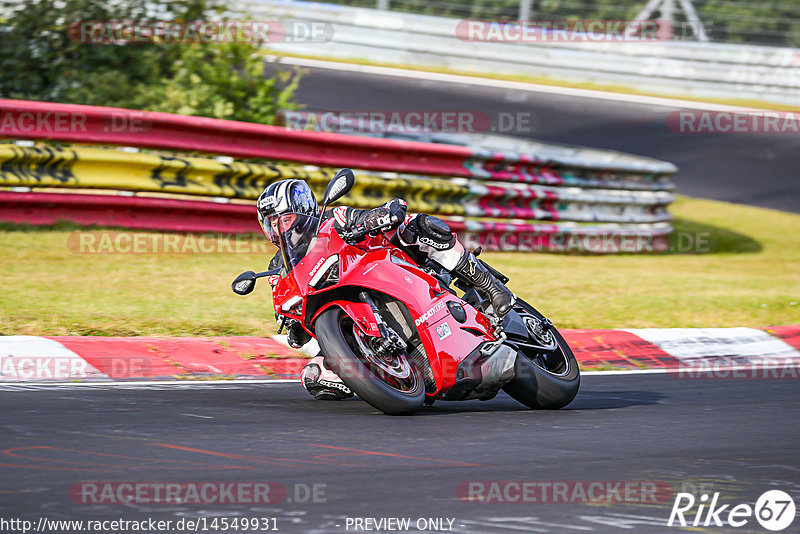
[[748, 274]]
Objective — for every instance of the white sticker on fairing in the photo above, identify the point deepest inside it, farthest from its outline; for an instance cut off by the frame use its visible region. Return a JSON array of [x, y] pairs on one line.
[[316, 267], [443, 330]]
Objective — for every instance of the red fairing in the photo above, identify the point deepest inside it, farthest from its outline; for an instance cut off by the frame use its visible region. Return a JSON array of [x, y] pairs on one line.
[[361, 313], [369, 265]]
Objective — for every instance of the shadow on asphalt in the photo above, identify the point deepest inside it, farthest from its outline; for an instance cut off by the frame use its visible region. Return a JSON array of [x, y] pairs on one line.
[[586, 400], [608, 400], [605, 400]]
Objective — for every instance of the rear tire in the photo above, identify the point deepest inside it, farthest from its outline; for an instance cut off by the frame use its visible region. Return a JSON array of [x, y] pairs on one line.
[[540, 388], [344, 360]]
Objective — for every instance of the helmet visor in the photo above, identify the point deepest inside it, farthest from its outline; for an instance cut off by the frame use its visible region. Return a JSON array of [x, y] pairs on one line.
[[292, 234]]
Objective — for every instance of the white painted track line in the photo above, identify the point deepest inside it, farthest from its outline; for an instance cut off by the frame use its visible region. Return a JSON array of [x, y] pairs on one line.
[[188, 384]]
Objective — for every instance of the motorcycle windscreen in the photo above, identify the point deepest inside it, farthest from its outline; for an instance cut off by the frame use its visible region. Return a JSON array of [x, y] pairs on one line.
[[292, 233]]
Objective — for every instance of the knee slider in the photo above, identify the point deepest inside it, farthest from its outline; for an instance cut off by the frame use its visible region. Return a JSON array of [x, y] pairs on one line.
[[434, 233]]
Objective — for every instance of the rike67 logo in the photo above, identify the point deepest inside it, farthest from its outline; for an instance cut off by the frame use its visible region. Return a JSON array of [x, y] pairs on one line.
[[774, 510]]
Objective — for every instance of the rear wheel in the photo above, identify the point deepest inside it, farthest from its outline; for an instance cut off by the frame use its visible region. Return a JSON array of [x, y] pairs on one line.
[[390, 384], [547, 375]]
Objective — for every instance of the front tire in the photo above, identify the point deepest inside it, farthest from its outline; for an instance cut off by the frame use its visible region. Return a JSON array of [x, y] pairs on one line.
[[335, 333], [544, 380]]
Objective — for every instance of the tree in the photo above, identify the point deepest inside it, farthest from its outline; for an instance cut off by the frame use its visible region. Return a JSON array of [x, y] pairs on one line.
[[43, 60]]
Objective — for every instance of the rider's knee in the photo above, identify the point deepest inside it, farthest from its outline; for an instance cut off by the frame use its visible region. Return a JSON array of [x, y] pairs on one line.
[[427, 231]]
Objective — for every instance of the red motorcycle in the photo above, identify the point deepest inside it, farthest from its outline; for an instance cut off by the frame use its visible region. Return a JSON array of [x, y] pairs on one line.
[[398, 334]]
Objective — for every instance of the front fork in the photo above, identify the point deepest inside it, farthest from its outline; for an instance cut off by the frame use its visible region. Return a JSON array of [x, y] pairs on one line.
[[390, 343]]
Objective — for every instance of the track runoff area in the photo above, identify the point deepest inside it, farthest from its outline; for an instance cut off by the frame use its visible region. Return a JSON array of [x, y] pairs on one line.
[[633, 452]]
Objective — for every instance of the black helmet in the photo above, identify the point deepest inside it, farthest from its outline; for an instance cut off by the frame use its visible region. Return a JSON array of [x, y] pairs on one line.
[[285, 196], [288, 213]]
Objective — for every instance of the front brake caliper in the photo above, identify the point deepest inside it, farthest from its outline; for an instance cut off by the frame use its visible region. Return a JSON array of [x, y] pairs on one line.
[[391, 343]]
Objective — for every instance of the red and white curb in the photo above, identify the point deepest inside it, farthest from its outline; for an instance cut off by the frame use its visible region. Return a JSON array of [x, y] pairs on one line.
[[694, 352], [67, 358]]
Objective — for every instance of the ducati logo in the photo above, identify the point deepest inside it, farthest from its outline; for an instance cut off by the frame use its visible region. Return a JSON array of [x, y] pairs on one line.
[[316, 267], [428, 314]]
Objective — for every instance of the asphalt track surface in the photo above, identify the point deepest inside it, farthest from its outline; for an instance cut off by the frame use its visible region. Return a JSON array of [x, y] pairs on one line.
[[760, 169], [737, 437]]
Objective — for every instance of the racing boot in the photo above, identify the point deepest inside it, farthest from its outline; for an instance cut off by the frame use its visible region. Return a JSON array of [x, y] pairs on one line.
[[471, 271], [321, 382]]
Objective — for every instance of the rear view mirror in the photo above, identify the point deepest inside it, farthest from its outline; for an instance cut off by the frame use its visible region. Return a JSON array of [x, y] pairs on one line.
[[244, 283], [341, 184]]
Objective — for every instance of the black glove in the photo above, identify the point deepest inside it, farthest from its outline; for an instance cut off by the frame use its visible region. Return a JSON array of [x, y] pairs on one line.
[[378, 220], [397, 212]]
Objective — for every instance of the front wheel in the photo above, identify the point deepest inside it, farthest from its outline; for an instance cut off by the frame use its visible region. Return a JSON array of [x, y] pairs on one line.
[[547, 375], [391, 385]]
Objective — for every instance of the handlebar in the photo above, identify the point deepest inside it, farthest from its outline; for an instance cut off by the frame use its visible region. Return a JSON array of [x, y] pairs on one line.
[[354, 236], [359, 234]]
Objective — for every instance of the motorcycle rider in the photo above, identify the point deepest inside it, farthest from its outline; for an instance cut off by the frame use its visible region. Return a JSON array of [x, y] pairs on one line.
[[421, 236]]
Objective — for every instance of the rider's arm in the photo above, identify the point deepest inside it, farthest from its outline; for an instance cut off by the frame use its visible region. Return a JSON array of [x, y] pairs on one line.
[[381, 219]]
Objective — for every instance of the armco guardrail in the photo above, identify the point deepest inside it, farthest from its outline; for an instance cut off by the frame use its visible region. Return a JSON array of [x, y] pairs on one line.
[[114, 126], [670, 67], [92, 168], [179, 215], [511, 159], [629, 196]]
